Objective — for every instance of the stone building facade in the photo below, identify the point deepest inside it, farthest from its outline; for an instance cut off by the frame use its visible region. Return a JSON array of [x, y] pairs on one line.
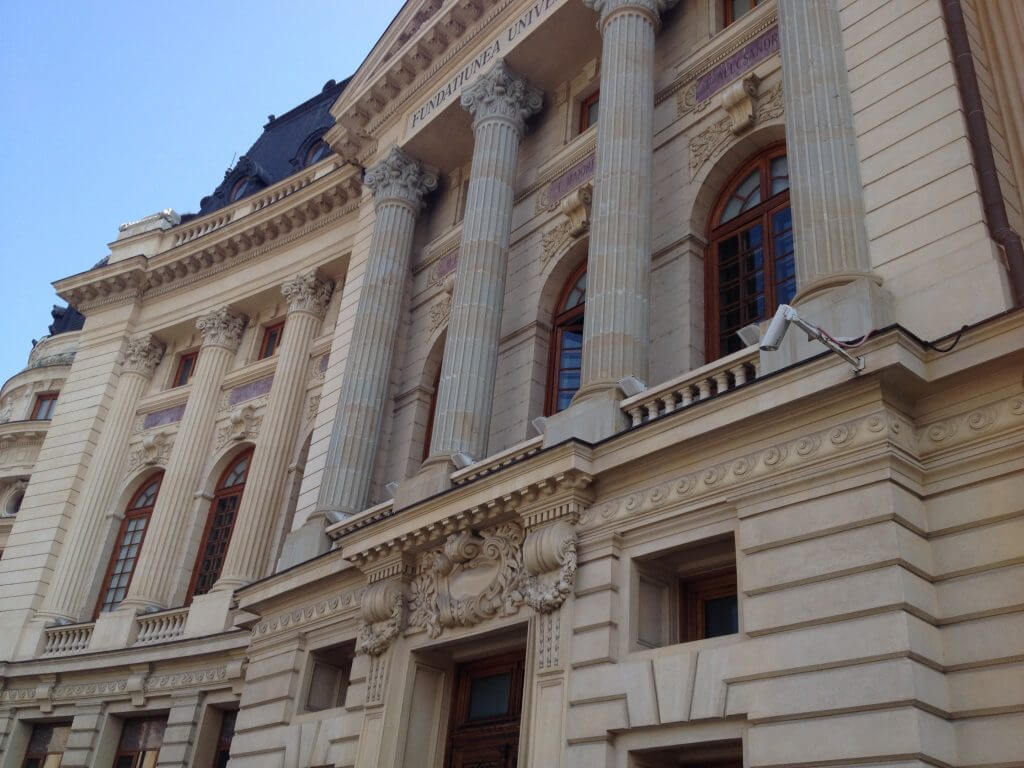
[[432, 439]]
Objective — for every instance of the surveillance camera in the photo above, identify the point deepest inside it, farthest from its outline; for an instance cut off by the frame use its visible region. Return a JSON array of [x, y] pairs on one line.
[[462, 460], [772, 338]]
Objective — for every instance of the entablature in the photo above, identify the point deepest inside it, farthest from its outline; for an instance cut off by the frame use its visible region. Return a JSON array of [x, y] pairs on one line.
[[284, 212]]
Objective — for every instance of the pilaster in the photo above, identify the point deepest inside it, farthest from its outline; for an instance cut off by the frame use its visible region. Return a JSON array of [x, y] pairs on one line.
[[399, 184], [80, 566], [500, 102], [163, 562], [249, 552]]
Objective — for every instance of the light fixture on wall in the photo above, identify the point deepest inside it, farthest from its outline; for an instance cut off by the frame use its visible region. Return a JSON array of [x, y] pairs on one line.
[[749, 334], [632, 385], [392, 488], [785, 315], [539, 424], [462, 460]]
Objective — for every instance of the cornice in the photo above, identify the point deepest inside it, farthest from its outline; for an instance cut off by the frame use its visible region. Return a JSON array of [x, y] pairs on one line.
[[279, 217]]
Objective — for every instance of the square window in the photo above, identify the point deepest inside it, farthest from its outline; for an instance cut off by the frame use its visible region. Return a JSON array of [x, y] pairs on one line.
[[271, 340], [186, 367], [688, 593], [328, 673], [43, 408]]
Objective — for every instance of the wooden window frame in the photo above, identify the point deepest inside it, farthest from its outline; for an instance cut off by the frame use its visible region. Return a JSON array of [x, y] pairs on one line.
[[191, 354], [49, 399], [727, 11], [136, 753], [717, 233], [561, 319], [584, 111], [130, 514], [41, 756], [220, 493], [429, 433], [267, 331], [223, 746], [459, 724], [694, 592]]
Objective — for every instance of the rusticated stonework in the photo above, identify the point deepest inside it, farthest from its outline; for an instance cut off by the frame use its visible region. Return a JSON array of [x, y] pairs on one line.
[[399, 177]]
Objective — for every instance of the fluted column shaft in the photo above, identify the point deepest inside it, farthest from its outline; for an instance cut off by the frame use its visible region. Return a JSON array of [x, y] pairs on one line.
[[829, 237], [399, 184], [249, 549], [616, 325], [72, 591], [164, 557], [500, 102]]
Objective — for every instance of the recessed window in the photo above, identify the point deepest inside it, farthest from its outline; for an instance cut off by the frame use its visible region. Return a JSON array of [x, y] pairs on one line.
[[567, 343], [589, 111], [317, 152], [13, 505], [46, 745], [736, 8], [186, 367], [429, 434], [140, 742], [227, 732], [43, 408], [688, 593], [329, 673], [220, 523], [271, 340], [242, 187], [127, 545], [751, 269]]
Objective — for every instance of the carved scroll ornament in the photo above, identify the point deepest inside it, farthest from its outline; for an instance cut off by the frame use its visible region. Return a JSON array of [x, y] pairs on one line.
[[549, 554], [382, 611]]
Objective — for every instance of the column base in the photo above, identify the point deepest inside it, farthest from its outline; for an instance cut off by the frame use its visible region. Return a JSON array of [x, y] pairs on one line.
[[434, 477], [209, 613], [591, 417], [304, 543], [113, 630], [847, 310]]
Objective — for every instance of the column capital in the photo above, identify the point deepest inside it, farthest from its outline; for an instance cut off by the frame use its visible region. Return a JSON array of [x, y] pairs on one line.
[[399, 177], [609, 8], [307, 293], [502, 93], [142, 354], [221, 328]]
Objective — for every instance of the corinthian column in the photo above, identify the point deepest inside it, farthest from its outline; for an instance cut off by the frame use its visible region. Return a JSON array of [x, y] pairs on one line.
[[500, 102], [616, 327], [829, 238], [73, 589], [399, 184], [249, 550], [164, 558]]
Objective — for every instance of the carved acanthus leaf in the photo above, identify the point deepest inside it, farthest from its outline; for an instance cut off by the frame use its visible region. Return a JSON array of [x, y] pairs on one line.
[[221, 328], [142, 354], [397, 176], [502, 93], [307, 293]]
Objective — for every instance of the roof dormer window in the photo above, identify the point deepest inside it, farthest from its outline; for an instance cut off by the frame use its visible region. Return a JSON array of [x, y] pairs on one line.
[[317, 151], [243, 187]]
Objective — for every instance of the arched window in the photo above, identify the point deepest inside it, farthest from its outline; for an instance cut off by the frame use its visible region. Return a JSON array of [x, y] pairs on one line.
[[317, 151], [243, 187], [429, 434], [128, 544], [750, 270], [567, 343], [219, 523]]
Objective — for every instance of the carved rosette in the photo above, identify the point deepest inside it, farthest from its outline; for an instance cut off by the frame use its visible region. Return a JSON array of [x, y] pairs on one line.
[[307, 293], [502, 93], [401, 178], [382, 614], [142, 354], [221, 328]]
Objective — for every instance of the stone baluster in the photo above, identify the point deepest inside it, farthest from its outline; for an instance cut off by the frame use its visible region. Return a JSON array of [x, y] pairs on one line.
[[164, 563], [500, 102], [399, 183], [616, 327], [75, 580], [248, 556]]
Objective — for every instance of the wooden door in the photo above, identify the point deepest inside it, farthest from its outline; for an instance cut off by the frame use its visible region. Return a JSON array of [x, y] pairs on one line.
[[486, 711]]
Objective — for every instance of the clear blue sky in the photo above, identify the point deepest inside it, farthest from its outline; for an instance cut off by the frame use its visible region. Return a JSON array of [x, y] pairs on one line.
[[110, 111]]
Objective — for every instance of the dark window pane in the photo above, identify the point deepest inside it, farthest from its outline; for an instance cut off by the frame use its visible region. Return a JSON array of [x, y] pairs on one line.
[[488, 696], [720, 616]]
